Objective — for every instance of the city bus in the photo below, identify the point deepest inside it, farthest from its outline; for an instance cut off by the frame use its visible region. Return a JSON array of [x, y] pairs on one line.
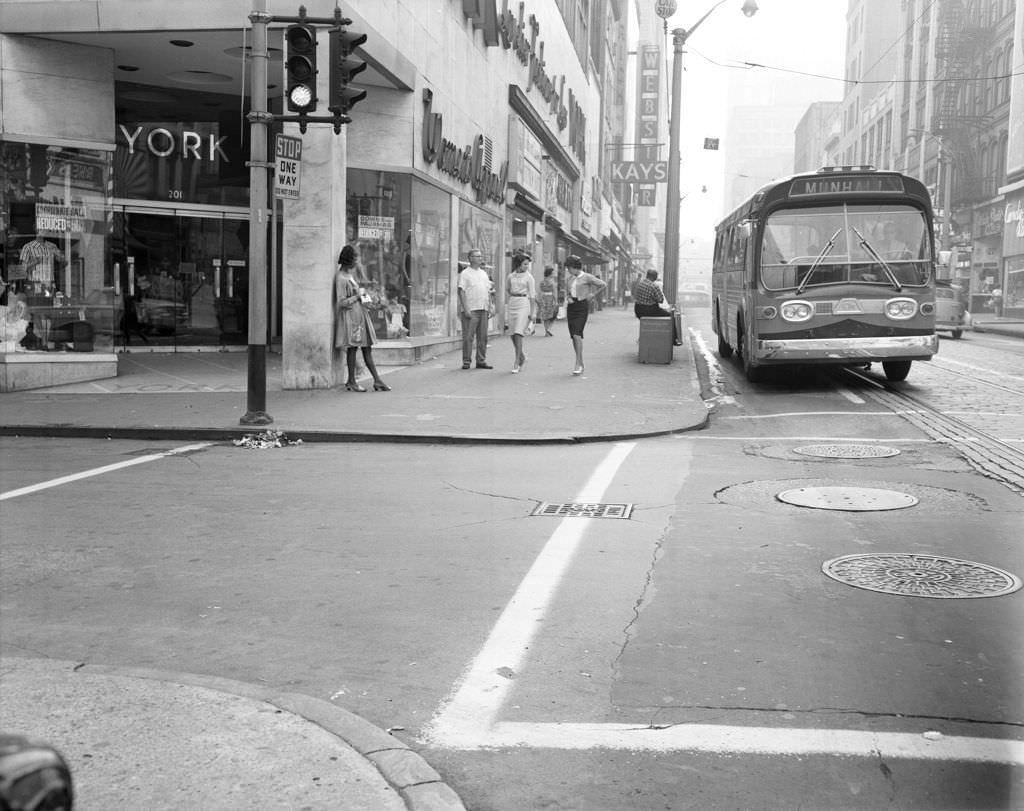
[[831, 267]]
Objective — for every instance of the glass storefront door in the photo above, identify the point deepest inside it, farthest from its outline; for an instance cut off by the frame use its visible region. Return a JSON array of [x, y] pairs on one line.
[[183, 277]]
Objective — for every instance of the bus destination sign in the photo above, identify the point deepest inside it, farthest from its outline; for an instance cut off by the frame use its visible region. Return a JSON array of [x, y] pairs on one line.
[[813, 186]]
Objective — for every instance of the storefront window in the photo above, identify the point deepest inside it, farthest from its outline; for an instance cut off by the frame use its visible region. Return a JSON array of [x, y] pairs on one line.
[[434, 305], [378, 225], [55, 226]]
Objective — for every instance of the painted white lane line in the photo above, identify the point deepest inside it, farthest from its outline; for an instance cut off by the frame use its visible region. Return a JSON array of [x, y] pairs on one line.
[[813, 414], [99, 471], [479, 694], [723, 739], [849, 395]]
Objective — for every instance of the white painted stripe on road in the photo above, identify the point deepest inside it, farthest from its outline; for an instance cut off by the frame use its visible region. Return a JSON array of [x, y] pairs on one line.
[[849, 395], [478, 696], [814, 414], [723, 739], [99, 471]]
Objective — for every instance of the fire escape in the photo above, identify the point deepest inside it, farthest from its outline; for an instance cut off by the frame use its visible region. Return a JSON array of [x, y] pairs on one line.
[[961, 44]]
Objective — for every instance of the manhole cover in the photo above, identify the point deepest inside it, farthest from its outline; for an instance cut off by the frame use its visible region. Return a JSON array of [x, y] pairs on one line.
[[847, 498], [575, 510], [847, 451], [915, 575]]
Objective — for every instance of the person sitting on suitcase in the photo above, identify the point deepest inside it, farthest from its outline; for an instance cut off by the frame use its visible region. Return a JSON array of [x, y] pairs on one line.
[[648, 298]]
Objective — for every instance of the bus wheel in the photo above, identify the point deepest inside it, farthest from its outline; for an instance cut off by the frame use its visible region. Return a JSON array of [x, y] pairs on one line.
[[896, 370], [724, 350]]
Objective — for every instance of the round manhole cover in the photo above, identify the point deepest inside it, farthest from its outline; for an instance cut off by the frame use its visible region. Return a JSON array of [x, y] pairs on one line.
[[914, 575], [847, 498], [847, 451]]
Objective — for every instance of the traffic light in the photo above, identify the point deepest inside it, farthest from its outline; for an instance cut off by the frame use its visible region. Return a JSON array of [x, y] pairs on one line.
[[301, 68], [344, 66]]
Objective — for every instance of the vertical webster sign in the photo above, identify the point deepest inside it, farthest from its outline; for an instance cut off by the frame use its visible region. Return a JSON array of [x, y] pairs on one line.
[[649, 94]]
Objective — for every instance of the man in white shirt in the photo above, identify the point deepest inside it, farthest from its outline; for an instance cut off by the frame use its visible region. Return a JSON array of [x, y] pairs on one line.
[[474, 309]]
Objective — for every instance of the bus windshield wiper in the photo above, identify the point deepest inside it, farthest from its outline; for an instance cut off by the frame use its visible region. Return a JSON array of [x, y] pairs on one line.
[[874, 255], [820, 258]]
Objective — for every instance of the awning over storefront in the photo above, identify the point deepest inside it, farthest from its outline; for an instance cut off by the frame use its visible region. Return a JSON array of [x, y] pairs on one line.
[[528, 206]]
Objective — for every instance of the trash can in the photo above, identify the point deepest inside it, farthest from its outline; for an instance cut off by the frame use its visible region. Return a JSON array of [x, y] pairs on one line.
[[656, 340]]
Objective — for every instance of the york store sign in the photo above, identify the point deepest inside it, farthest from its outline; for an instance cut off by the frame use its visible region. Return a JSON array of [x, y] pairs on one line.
[[176, 162]]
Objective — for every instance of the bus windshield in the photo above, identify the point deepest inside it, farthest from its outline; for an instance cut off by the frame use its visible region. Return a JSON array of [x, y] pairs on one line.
[[863, 244]]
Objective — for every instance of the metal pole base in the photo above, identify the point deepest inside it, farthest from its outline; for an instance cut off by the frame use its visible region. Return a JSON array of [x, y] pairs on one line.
[[256, 418]]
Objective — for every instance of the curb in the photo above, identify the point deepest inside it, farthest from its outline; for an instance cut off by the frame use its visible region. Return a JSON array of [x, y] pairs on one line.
[[231, 434], [420, 787]]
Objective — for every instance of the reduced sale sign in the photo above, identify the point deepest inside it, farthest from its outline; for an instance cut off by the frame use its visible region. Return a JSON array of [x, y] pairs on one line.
[[287, 166]]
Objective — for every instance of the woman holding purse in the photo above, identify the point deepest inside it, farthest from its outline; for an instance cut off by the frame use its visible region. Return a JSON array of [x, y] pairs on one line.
[[353, 328]]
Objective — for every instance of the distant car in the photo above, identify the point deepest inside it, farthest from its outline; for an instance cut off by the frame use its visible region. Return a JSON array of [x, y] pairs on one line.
[[694, 298], [950, 314]]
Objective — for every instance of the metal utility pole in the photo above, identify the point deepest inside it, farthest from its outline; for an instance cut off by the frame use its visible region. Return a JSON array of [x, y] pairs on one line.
[[670, 272], [259, 120]]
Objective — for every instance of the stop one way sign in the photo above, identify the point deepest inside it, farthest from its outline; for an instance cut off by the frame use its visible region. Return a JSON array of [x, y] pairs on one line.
[[287, 166]]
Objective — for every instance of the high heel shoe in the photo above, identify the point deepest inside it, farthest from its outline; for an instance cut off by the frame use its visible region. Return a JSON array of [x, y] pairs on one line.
[[353, 387], [381, 387], [578, 370]]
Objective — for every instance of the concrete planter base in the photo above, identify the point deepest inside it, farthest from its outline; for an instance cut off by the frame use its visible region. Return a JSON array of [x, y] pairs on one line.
[[36, 370]]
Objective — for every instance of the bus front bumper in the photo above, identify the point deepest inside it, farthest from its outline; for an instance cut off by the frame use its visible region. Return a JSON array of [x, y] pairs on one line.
[[846, 350]]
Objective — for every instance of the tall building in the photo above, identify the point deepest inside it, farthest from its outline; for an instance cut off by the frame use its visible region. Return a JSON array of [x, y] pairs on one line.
[[125, 142], [953, 108], [816, 136]]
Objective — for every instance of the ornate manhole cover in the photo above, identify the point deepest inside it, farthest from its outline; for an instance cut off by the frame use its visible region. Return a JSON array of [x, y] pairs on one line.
[[914, 575], [847, 498], [847, 451], [576, 510]]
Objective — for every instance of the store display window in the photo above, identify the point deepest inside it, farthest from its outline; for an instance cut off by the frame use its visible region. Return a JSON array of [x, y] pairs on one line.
[[55, 260]]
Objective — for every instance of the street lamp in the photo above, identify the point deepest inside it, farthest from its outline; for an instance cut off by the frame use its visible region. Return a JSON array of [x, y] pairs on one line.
[[670, 274]]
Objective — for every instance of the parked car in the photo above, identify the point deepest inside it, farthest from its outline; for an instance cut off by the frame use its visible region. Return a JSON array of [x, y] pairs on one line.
[[950, 313]]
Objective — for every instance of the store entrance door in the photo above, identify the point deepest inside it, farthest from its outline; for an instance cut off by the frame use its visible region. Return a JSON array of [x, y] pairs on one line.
[[184, 277]]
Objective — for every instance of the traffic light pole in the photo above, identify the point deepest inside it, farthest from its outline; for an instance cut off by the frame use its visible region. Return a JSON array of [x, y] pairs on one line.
[[259, 120]]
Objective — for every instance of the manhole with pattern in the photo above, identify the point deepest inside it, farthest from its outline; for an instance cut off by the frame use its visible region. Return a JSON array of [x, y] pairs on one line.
[[913, 575], [847, 451], [577, 510], [854, 499]]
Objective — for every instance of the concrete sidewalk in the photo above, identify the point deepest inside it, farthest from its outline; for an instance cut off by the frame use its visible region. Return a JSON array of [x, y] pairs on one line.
[[158, 740], [203, 396]]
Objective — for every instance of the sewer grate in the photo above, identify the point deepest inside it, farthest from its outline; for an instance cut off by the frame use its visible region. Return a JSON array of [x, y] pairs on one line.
[[847, 451], [914, 575], [572, 509], [854, 499]]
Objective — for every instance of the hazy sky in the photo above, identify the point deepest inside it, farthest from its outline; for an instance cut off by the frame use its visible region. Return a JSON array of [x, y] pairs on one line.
[[794, 35]]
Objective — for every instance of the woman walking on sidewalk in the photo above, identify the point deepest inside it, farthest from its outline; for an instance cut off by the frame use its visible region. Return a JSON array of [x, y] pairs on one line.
[[353, 328], [519, 289], [582, 288]]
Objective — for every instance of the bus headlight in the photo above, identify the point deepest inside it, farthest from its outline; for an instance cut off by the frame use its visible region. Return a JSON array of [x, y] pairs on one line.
[[900, 309], [797, 310]]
